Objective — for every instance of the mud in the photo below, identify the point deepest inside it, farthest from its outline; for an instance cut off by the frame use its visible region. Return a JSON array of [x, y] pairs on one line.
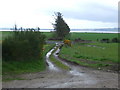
[[77, 77]]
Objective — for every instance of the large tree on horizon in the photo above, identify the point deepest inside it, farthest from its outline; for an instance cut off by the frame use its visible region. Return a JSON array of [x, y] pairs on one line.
[[60, 26]]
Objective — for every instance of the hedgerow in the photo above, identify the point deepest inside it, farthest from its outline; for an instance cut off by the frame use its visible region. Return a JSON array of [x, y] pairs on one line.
[[23, 45]]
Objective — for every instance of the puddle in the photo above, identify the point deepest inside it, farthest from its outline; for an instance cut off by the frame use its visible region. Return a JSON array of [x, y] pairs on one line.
[[73, 84], [73, 71], [76, 73], [50, 64], [79, 78]]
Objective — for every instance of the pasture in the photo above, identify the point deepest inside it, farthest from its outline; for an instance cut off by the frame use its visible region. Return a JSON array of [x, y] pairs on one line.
[[92, 54], [87, 36]]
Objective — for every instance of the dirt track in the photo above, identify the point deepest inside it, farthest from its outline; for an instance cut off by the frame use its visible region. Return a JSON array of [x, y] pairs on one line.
[[77, 77]]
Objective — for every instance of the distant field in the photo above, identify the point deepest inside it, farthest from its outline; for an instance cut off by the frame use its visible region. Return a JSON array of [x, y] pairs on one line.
[[85, 36], [88, 36], [93, 36]]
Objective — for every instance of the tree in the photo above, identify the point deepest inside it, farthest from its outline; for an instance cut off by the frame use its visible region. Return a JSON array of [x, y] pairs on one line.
[[38, 29], [61, 28], [15, 27]]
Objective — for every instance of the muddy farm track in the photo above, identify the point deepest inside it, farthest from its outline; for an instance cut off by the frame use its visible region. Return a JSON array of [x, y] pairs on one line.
[[54, 77]]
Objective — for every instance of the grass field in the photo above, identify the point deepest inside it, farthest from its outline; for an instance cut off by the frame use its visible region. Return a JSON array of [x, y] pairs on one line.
[[88, 36], [87, 54], [93, 36], [101, 53]]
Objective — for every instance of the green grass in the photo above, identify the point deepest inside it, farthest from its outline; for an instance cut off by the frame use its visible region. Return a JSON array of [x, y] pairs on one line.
[[48, 34], [109, 54], [47, 48], [80, 51], [19, 67], [93, 36], [85, 36], [58, 63], [5, 34]]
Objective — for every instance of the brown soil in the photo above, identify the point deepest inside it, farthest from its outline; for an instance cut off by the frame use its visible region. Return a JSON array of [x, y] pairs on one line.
[[110, 67], [77, 77]]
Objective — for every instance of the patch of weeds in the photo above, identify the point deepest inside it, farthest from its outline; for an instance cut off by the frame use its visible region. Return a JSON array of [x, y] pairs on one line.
[[58, 63]]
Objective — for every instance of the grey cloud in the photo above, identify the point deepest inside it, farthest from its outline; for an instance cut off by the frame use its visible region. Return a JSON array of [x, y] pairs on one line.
[[93, 12]]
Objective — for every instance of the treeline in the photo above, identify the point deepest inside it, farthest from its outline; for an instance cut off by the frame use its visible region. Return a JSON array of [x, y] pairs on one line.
[[23, 45]]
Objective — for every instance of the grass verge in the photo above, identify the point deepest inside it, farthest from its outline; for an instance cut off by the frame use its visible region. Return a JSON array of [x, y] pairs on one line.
[[11, 68], [58, 63]]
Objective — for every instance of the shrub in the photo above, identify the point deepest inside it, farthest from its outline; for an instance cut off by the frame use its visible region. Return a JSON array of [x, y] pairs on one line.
[[105, 40], [115, 40], [67, 42], [23, 45]]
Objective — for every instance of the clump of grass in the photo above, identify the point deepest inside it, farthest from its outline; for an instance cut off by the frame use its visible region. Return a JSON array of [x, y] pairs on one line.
[[58, 63]]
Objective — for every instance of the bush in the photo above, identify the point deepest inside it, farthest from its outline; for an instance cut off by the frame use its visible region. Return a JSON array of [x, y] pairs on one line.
[[105, 40], [23, 45], [115, 40]]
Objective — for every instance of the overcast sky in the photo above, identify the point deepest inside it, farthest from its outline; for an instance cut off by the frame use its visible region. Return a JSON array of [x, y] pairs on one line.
[[78, 14]]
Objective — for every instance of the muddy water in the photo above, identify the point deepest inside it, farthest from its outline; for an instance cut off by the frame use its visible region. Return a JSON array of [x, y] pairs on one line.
[[77, 77], [50, 64], [76, 72]]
